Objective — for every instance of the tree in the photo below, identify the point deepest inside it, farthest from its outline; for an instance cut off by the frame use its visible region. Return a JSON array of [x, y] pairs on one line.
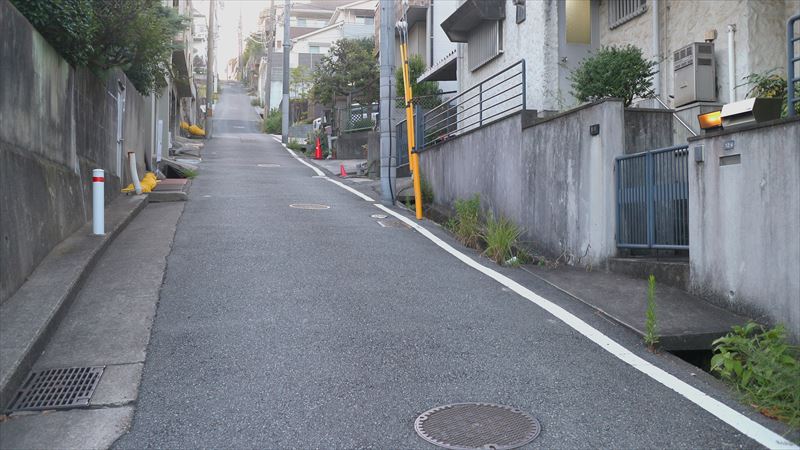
[[349, 69], [300, 82], [426, 93], [136, 36], [620, 72]]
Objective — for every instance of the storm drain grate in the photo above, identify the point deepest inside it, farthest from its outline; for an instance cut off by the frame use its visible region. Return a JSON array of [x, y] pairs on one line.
[[57, 388], [477, 425]]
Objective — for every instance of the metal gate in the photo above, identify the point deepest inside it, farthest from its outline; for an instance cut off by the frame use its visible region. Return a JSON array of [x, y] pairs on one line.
[[653, 199]]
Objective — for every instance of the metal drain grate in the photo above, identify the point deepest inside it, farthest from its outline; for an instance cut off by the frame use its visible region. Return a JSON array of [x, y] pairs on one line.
[[477, 425], [57, 388]]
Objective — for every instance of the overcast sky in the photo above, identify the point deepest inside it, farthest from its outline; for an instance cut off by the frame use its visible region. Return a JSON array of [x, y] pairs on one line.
[[228, 46]]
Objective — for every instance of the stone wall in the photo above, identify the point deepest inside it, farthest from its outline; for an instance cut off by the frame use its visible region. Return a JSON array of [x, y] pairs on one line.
[[351, 145], [57, 124], [553, 178], [744, 227]]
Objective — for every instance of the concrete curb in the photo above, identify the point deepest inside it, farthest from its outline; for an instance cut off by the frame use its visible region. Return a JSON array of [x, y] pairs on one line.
[[29, 317]]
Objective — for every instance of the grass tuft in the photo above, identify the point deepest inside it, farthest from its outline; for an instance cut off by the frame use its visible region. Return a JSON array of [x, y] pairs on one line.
[[501, 237]]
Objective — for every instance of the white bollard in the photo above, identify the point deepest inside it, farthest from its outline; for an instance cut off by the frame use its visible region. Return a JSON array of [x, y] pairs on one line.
[[98, 202]]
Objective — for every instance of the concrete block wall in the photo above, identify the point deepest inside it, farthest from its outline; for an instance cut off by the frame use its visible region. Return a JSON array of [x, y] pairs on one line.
[[744, 228], [553, 179], [57, 123]]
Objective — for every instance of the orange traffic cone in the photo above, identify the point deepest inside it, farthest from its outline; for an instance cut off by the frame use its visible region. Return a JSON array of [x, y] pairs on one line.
[[318, 150], [342, 172]]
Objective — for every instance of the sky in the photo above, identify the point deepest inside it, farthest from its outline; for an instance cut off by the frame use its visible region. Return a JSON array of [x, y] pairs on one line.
[[228, 46]]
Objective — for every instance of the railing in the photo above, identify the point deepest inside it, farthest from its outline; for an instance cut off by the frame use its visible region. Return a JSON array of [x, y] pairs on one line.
[[653, 199], [793, 57], [356, 117], [494, 98], [401, 144]]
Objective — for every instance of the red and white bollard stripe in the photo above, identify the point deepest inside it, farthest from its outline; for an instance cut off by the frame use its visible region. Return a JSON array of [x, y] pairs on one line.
[[98, 201]]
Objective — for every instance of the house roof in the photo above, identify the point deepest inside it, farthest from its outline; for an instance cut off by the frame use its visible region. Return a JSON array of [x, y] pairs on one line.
[[319, 30], [364, 5]]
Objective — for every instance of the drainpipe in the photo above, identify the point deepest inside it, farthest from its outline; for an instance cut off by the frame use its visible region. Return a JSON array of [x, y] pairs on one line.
[[430, 34], [656, 50], [731, 64]]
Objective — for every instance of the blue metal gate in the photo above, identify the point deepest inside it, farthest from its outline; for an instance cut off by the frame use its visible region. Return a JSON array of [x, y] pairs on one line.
[[653, 199]]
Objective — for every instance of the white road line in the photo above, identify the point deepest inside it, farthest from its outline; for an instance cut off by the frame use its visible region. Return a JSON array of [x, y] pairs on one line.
[[746, 426], [321, 174], [344, 186], [312, 167]]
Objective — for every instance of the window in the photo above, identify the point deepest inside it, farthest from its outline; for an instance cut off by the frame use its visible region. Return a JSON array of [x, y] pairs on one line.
[[621, 11], [316, 49], [367, 20], [484, 43]]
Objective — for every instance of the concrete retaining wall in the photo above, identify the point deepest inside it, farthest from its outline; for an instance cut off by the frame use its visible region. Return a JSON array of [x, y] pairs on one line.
[[350, 145], [648, 129], [57, 123], [744, 231], [553, 178]]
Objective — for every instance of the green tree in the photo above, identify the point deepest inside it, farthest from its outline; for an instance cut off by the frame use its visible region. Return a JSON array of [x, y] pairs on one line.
[[136, 36], [300, 81], [426, 93], [68, 25], [348, 69], [620, 72]]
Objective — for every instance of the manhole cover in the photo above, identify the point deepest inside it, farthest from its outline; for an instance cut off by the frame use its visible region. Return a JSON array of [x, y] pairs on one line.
[[57, 388], [477, 426], [379, 216], [308, 206], [269, 165]]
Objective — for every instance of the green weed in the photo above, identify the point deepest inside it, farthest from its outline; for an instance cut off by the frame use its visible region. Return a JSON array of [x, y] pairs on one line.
[[762, 366], [650, 323], [467, 221], [501, 238]]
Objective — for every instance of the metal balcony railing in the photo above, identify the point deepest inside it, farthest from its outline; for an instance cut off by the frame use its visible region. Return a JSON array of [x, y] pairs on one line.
[[793, 60]]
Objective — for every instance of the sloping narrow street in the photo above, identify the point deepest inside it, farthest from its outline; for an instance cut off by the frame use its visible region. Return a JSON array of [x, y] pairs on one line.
[[284, 324]]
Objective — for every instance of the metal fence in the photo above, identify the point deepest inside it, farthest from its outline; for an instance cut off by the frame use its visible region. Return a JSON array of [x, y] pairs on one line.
[[653, 199], [356, 117], [494, 98], [793, 60], [401, 144]]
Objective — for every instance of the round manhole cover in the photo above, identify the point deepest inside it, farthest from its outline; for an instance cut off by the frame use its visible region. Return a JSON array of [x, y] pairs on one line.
[[308, 206], [477, 426], [269, 165]]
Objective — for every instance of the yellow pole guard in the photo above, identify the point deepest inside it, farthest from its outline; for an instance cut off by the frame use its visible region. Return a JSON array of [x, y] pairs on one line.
[[413, 158]]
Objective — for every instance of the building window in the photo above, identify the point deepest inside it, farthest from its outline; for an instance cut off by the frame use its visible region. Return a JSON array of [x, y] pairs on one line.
[[484, 43], [621, 11], [367, 20], [314, 49]]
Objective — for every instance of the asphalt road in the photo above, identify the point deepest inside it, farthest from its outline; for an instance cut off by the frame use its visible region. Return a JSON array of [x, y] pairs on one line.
[[280, 327]]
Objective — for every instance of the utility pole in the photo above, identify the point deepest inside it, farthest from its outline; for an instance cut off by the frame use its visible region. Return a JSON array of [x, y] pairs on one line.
[[388, 169], [270, 43], [287, 46], [210, 67], [241, 51]]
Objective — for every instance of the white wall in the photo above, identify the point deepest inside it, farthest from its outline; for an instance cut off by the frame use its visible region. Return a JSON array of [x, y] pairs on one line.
[[536, 41]]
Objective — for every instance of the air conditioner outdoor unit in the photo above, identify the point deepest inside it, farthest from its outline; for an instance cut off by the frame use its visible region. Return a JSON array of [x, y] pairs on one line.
[[695, 74]]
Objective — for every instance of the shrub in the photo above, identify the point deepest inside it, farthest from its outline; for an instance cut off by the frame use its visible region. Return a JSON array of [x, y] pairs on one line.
[[764, 367], [771, 85], [294, 145], [273, 122], [501, 238], [620, 72], [650, 323], [467, 222]]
